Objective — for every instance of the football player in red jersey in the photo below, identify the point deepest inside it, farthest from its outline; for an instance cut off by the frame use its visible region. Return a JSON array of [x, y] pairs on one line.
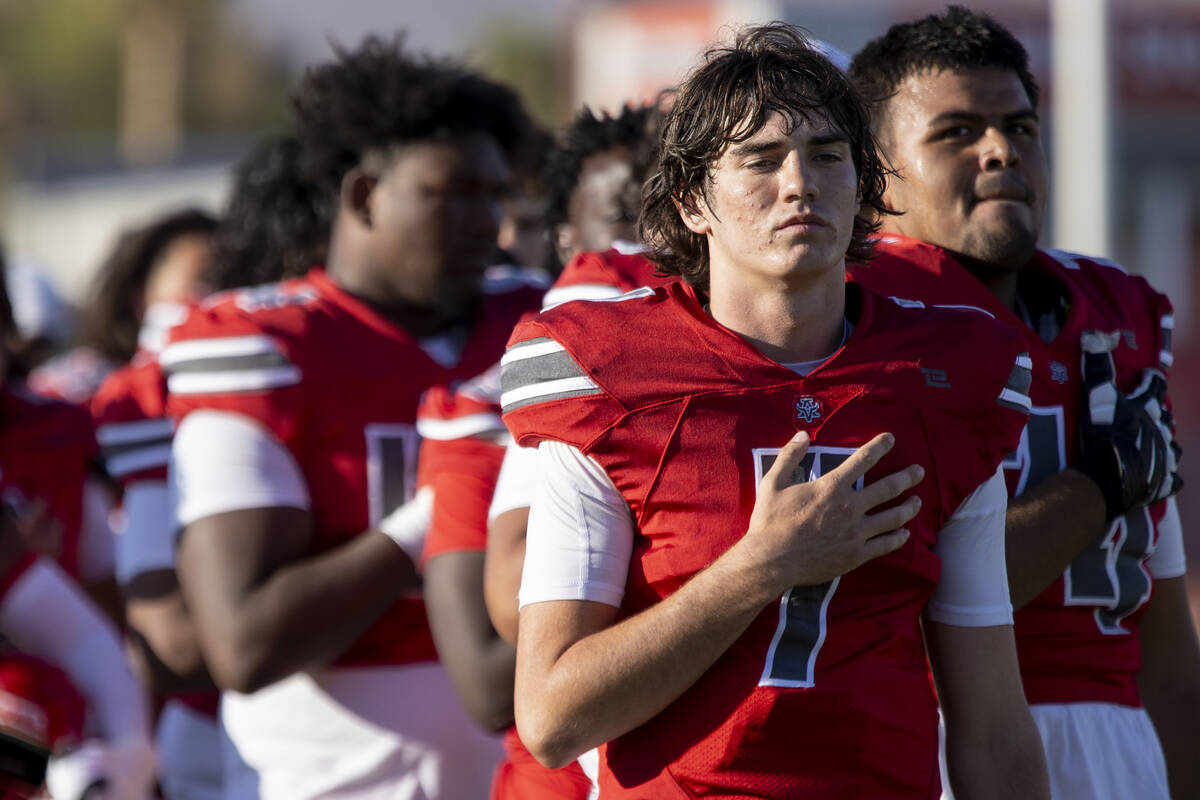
[[462, 444], [45, 450], [763, 496], [271, 229], [593, 178], [297, 443], [1095, 566]]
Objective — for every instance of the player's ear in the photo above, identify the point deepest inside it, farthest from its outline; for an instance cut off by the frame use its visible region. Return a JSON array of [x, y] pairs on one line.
[[691, 210], [357, 186]]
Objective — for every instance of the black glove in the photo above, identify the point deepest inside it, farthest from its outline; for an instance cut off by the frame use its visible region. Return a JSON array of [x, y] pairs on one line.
[[1127, 442]]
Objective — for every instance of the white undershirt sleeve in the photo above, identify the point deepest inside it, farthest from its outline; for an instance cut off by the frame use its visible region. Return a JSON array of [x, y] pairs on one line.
[[580, 536], [47, 616], [973, 589], [222, 461], [146, 540], [1168, 559], [516, 482]]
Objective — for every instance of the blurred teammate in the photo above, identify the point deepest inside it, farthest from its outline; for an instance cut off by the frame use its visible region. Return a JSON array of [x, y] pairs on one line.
[[271, 229], [593, 182], [1105, 626], [45, 452], [297, 442], [153, 272], [726, 642]]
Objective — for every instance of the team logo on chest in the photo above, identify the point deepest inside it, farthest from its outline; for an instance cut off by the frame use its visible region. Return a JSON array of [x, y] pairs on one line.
[[1058, 372], [808, 409]]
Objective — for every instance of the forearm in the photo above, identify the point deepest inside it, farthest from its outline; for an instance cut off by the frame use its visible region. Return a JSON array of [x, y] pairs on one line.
[[304, 614], [481, 665], [993, 749], [502, 570], [617, 678], [1047, 527], [1169, 682], [999, 767], [167, 646]]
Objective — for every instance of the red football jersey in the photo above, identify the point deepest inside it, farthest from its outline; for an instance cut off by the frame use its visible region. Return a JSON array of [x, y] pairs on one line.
[[826, 694], [134, 433], [338, 384], [592, 276], [132, 426], [1077, 641], [46, 452], [461, 454]]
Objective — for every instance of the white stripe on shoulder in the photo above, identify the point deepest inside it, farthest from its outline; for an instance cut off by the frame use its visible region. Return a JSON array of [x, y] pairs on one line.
[[460, 427], [1168, 321], [1071, 260], [531, 349], [218, 347], [1024, 360], [114, 433], [243, 380], [966, 308], [627, 248], [119, 466], [1166, 358], [906, 303], [535, 390], [579, 291]]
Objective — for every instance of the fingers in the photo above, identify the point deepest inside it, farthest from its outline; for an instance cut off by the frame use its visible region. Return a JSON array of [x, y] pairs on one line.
[[782, 472], [862, 459], [884, 543], [890, 487]]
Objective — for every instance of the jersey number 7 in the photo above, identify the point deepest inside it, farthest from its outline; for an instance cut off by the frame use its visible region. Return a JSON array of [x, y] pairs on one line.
[[792, 656]]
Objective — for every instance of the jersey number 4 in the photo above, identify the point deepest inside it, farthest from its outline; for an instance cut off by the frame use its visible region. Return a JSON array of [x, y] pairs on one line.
[[792, 656], [1110, 574]]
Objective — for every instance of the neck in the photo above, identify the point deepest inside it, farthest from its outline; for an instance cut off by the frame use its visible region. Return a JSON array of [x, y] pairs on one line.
[[352, 270], [1002, 283], [787, 321]]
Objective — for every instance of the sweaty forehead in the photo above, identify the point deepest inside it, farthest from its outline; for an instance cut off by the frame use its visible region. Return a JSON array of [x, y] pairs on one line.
[[982, 91]]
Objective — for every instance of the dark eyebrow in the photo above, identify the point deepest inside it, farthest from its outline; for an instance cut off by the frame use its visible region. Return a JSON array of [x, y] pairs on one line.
[[754, 148], [947, 117], [829, 138]]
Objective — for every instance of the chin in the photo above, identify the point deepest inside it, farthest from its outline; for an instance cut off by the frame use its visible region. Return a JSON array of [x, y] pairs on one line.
[[1010, 247]]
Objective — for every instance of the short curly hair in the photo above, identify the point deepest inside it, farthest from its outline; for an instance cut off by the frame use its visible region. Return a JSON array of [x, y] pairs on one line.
[[956, 39], [772, 68], [275, 225], [377, 96]]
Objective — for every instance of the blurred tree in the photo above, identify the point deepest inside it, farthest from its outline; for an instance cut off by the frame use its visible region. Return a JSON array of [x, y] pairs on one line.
[[525, 57], [134, 76]]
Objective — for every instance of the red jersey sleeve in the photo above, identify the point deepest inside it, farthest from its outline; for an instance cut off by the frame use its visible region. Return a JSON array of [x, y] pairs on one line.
[[132, 427], [227, 358], [547, 394]]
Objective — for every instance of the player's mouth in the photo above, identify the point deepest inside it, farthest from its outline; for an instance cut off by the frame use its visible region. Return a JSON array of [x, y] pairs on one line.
[[802, 223], [1006, 189]]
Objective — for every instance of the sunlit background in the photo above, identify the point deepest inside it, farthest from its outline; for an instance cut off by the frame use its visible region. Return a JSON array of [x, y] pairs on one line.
[[114, 110]]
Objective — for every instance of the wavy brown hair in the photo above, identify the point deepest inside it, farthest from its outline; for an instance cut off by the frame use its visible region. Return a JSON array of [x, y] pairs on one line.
[[768, 69]]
